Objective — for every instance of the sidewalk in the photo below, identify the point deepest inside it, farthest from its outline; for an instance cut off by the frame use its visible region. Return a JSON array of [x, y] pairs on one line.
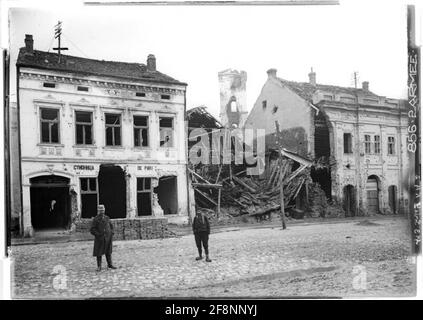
[[62, 236]]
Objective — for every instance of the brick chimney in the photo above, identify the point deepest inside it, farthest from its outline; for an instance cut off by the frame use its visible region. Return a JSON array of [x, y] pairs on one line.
[[29, 43], [271, 73], [312, 77], [151, 62], [365, 85]]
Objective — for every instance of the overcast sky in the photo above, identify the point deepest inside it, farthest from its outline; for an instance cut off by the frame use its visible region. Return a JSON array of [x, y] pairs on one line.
[[194, 43]]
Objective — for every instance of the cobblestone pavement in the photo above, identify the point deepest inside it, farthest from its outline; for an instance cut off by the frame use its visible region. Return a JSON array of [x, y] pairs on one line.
[[341, 259]]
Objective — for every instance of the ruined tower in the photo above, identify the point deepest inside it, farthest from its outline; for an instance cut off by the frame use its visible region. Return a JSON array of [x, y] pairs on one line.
[[233, 98]]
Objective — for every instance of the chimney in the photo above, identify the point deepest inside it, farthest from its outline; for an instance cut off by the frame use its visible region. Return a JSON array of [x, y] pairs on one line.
[[312, 77], [271, 73], [365, 85], [151, 62], [29, 43]]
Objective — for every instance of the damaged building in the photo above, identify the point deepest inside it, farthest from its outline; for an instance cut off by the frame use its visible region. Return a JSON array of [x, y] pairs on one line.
[[356, 139], [233, 98], [95, 131]]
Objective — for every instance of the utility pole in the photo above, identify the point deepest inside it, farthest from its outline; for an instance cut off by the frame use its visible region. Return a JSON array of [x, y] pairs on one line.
[[57, 35], [281, 176]]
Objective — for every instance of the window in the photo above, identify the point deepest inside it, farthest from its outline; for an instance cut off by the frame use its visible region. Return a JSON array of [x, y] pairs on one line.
[[275, 109], [144, 191], [113, 130], [367, 144], [347, 143], [84, 127], [140, 131], [50, 125], [234, 107], [82, 88], [391, 145], [139, 94], [49, 85], [327, 97], [165, 97], [377, 144], [89, 197], [166, 132], [264, 104]]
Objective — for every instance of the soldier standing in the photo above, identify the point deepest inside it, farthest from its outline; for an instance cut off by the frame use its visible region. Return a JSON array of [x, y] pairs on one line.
[[102, 230], [201, 229]]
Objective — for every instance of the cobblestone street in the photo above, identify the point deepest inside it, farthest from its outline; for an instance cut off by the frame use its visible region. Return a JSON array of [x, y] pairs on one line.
[[352, 258]]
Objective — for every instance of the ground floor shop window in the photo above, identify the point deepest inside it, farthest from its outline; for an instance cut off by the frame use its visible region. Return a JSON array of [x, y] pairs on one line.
[[144, 196], [167, 192], [89, 197]]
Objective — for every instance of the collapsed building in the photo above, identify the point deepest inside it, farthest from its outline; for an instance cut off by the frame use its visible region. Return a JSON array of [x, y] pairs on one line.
[[355, 137], [95, 131]]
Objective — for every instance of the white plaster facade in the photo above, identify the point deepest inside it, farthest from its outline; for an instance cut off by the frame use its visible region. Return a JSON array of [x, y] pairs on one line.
[[104, 95]]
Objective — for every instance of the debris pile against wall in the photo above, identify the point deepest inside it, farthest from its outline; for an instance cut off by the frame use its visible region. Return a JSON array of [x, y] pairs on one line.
[[132, 229], [249, 195]]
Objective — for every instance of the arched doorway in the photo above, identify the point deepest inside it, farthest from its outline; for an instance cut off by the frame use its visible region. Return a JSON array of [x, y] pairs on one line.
[[50, 202], [372, 191], [349, 201], [392, 196]]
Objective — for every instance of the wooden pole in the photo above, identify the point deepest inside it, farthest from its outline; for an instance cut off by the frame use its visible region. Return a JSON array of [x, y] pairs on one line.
[[281, 176], [218, 202]]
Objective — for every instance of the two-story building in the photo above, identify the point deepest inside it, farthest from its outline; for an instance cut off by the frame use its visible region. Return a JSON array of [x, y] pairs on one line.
[[95, 131], [358, 137]]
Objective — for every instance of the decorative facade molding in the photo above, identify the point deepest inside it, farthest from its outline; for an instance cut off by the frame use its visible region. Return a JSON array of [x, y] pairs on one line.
[[112, 88]]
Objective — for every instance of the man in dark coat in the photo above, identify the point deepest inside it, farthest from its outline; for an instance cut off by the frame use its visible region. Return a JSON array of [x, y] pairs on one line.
[[201, 229], [102, 230]]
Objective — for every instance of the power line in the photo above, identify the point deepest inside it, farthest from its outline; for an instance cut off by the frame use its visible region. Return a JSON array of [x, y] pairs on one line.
[[76, 47]]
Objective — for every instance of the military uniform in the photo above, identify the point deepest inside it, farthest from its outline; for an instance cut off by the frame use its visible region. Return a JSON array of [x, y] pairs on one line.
[[201, 229], [102, 230]]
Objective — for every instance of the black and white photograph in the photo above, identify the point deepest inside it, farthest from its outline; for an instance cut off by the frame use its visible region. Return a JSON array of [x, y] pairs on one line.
[[194, 150]]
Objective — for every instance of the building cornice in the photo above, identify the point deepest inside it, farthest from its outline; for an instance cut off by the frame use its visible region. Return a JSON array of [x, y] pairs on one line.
[[104, 84]]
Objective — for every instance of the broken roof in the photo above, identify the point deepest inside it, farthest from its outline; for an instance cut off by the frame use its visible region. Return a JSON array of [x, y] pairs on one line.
[[199, 117], [124, 70], [306, 90]]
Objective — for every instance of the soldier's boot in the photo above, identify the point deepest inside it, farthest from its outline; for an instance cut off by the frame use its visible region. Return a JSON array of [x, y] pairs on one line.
[[109, 262], [199, 256], [207, 258], [98, 264]]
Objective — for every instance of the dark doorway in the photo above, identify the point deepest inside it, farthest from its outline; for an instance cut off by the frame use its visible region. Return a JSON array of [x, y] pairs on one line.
[[349, 201], [144, 197], [322, 175], [50, 202], [167, 192], [112, 190], [392, 194], [372, 190]]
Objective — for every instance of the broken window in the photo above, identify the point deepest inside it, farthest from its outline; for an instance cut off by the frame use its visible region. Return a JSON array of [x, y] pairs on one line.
[[166, 132], [113, 130], [347, 143], [50, 125], [144, 196], [141, 131], [275, 109], [167, 192], [391, 145], [367, 144], [264, 104], [377, 144], [89, 197], [234, 107], [83, 124]]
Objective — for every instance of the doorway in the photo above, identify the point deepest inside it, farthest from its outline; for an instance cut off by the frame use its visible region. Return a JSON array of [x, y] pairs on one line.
[[50, 202], [349, 201], [372, 190], [167, 192], [112, 190], [392, 195]]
